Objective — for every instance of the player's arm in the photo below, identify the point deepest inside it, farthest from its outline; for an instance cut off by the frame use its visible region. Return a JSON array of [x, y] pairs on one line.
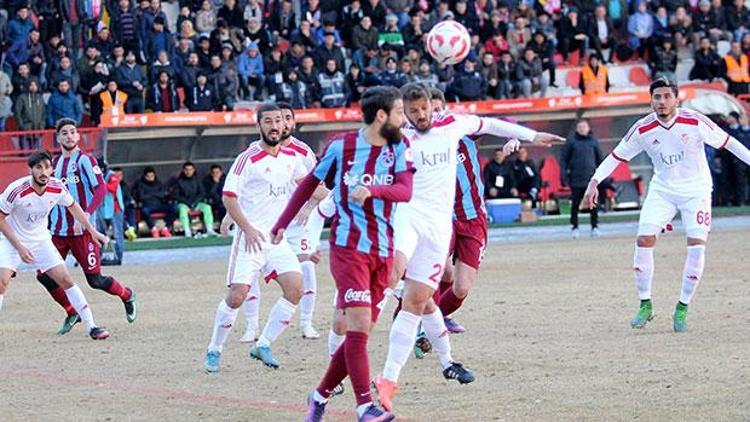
[[716, 137], [83, 219], [9, 234], [401, 188], [91, 171], [503, 129], [254, 236]]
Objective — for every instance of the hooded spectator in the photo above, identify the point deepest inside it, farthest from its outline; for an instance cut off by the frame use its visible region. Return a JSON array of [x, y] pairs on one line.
[[162, 96], [251, 71], [29, 108]]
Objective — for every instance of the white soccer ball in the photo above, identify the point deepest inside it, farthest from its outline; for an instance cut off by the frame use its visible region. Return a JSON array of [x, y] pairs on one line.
[[449, 42]]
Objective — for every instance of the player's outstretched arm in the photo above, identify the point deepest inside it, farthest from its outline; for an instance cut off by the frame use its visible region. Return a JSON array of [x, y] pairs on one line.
[[503, 129], [5, 229], [740, 151], [77, 212], [591, 197], [300, 196]]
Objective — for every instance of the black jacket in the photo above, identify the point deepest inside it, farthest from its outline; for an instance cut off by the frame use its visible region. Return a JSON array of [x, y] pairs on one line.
[[580, 158], [707, 65], [188, 191], [525, 176], [213, 190], [492, 172], [150, 194]]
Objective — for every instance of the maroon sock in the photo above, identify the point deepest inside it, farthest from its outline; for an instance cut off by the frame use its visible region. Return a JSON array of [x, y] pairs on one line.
[[449, 303], [358, 365], [58, 293], [445, 286], [116, 289], [335, 373]]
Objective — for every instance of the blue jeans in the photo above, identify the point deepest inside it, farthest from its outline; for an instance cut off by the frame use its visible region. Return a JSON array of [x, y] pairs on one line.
[[117, 228]]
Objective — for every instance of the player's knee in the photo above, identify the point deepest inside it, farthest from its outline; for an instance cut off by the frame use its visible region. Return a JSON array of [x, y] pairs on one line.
[[695, 241], [413, 305], [98, 281], [461, 290], [235, 298], [293, 293], [46, 281], [646, 241], [66, 282]]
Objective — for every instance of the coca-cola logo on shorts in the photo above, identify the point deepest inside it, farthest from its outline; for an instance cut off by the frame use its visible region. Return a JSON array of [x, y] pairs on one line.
[[352, 295]]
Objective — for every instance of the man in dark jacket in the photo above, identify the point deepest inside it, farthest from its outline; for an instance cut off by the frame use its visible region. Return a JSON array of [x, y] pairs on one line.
[[529, 75], [707, 62], [525, 176], [151, 197], [469, 85], [739, 127], [580, 158], [188, 192], [498, 178], [131, 80], [201, 97], [162, 96], [213, 185], [63, 103]]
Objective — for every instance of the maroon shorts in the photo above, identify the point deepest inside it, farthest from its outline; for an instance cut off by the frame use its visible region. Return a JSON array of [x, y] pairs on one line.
[[469, 240], [83, 248], [361, 279]]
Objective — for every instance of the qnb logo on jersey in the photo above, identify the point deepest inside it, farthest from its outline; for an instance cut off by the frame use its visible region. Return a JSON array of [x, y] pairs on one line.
[[351, 179], [71, 180], [362, 296], [277, 191], [672, 159], [436, 158]]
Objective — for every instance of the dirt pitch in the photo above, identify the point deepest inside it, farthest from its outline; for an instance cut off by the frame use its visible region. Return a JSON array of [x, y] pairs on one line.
[[548, 338]]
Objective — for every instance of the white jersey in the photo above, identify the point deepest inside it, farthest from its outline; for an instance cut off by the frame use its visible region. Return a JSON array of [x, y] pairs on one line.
[[676, 149], [304, 152], [27, 211], [263, 183]]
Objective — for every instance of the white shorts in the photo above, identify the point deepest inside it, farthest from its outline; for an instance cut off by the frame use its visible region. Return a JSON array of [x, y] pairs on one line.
[[45, 255], [424, 244], [659, 209], [247, 267]]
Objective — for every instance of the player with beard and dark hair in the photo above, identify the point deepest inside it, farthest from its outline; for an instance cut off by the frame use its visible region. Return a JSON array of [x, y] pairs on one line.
[[81, 174], [25, 206], [369, 172], [257, 189]]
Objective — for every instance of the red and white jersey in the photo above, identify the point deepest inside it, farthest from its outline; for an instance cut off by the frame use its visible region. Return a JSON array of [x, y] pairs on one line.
[[676, 149], [27, 211], [263, 183], [304, 152]]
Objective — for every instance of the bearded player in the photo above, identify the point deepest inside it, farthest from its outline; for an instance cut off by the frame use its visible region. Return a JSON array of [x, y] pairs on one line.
[[423, 229], [24, 208], [370, 172], [674, 139], [81, 174]]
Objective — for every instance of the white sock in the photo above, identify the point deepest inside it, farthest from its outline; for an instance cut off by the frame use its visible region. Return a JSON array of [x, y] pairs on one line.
[[78, 300], [693, 271], [434, 327], [362, 408], [334, 341], [251, 306], [400, 343], [643, 268], [279, 318], [309, 288], [223, 323], [1, 307]]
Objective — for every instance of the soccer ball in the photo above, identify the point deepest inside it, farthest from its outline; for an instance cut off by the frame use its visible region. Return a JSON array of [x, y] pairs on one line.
[[449, 42]]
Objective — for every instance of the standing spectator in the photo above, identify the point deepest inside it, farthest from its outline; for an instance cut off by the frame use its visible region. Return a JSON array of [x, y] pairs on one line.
[[351, 16], [225, 82], [162, 64], [518, 36], [529, 75], [468, 85], [735, 69], [580, 158], [602, 33], [425, 75], [640, 29], [355, 84], [375, 10], [664, 62], [305, 36], [63, 103], [125, 27], [205, 18], [111, 212], [28, 50], [274, 68], [213, 185], [328, 50], [594, 79], [201, 97], [188, 192], [488, 69], [308, 75], [498, 177], [545, 51], [232, 14], [364, 37], [104, 42], [68, 72], [151, 197], [162, 96], [190, 72], [149, 15], [251, 71], [661, 26], [391, 75], [132, 81], [6, 90], [257, 33], [707, 62], [157, 40], [332, 86], [293, 91], [20, 80], [506, 76], [74, 14], [50, 23], [525, 176], [283, 21], [414, 33], [572, 35], [204, 52], [20, 26], [681, 27], [709, 22], [30, 113]]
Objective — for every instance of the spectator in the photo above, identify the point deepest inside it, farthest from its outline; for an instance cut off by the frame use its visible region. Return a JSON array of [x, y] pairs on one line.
[[185, 15], [375, 10], [204, 52], [255, 32], [190, 72], [85, 68], [6, 110], [602, 33], [506, 76], [525, 176], [132, 81], [293, 91], [274, 68], [103, 41], [415, 32], [468, 85], [213, 185], [445, 74], [305, 36], [407, 70], [328, 26], [466, 17], [332, 86], [93, 87], [20, 80], [495, 26], [737, 16], [162, 96], [188, 33], [664, 62], [735, 69], [594, 79], [571, 35], [151, 197], [545, 51], [707, 65], [68, 72], [205, 18], [124, 26], [251, 71], [232, 14], [497, 45], [391, 75], [391, 35], [529, 75], [162, 64], [148, 18], [20, 26], [640, 28], [546, 26], [581, 156], [425, 75], [488, 69], [401, 9], [30, 113], [189, 194], [253, 10], [308, 75], [113, 100], [661, 26], [739, 128], [518, 36], [6, 87], [111, 212], [283, 21], [180, 55], [201, 97], [498, 177], [28, 50], [364, 37], [328, 50], [225, 82], [680, 26], [158, 40], [355, 84], [708, 22], [351, 16], [63, 103]]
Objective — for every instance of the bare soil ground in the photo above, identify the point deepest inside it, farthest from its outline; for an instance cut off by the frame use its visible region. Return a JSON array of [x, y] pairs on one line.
[[548, 337]]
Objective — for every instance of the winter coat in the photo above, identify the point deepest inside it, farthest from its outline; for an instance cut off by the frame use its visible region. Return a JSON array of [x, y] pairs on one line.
[[30, 111], [580, 157], [188, 190], [150, 194], [63, 105]]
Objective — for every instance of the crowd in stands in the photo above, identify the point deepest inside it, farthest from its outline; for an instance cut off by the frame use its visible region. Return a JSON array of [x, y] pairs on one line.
[[67, 57]]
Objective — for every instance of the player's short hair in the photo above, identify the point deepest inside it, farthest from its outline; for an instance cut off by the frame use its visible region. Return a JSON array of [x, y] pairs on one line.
[[415, 91], [378, 98], [663, 83], [61, 123], [437, 94], [266, 107], [285, 106], [39, 156]]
